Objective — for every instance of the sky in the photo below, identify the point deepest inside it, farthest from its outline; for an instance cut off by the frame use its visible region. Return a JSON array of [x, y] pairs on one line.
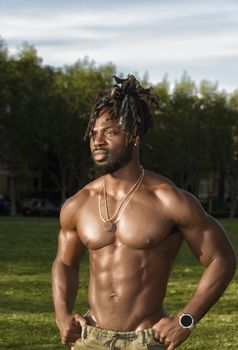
[[160, 37]]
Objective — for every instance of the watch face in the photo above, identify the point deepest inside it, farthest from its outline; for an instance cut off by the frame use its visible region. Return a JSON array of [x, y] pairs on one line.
[[186, 321]]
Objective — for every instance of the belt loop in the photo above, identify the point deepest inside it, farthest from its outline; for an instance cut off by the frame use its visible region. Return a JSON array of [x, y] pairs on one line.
[[141, 337]]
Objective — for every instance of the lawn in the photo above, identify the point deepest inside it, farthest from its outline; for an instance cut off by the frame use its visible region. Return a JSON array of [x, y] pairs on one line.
[[27, 250]]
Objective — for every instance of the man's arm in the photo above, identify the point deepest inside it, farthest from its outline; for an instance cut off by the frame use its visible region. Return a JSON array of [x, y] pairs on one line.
[[210, 244], [65, 278]]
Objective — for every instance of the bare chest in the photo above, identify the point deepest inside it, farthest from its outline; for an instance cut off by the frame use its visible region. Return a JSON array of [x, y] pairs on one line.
[[143, 224]]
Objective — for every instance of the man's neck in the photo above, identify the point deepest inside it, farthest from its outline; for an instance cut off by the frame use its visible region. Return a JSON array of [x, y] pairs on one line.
[[120, 182]]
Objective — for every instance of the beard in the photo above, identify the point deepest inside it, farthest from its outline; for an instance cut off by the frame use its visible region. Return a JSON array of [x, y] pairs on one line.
[[114, 161]]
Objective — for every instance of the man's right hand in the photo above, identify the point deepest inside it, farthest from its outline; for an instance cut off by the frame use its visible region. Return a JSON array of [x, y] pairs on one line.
[[70, 328]]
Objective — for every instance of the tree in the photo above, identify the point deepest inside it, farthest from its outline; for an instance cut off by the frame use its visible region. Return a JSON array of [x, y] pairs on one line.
[[233, 160], [157, 146], [25, 85], [176, 141], [74, 89], [217, 121]]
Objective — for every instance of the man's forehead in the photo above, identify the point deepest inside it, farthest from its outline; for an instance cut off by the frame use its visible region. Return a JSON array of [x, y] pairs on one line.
[[106, 125], [105, 121]]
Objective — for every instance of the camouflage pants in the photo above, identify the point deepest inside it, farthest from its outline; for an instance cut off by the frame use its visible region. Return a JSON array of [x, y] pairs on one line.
[[102, 339]]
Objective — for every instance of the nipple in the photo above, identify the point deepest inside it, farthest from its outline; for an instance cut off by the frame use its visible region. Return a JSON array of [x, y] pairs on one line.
[[149, 242]]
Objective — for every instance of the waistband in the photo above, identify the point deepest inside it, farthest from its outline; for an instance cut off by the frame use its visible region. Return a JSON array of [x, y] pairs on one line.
[[142, 336]]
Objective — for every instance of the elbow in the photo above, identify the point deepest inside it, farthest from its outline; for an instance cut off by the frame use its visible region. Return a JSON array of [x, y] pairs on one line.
[[59, 265]]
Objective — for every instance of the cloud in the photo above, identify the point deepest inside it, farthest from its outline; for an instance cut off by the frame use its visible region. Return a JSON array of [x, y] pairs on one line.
[[172, 35]]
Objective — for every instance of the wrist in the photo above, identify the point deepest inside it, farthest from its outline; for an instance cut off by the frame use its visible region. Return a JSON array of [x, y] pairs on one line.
[[186, 320], [61, 319]]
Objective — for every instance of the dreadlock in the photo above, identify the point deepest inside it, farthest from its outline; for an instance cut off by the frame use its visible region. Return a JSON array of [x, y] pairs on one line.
[[128, 101]]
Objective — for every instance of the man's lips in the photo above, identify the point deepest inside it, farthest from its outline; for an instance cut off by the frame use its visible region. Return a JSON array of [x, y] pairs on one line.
[[100, 154]]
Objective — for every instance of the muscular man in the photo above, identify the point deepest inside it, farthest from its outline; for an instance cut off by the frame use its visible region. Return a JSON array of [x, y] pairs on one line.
[[132, 222]]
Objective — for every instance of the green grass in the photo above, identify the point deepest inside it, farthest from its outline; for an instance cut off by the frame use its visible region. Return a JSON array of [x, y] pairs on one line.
[[27, 249]]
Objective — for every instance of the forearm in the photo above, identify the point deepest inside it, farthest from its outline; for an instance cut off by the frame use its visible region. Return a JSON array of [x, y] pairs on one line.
[[64, 287], [211, 286]]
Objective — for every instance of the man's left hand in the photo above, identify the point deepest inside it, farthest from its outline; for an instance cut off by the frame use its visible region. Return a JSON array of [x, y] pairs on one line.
[[169, 332]]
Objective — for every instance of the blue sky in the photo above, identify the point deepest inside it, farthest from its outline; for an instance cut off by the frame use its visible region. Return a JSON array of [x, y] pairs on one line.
[[157, 36]]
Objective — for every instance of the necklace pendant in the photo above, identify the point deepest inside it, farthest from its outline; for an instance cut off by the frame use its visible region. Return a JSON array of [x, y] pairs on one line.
[[109, 226]]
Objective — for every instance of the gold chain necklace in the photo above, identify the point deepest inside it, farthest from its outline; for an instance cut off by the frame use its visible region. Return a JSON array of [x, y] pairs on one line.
[[110, 222]]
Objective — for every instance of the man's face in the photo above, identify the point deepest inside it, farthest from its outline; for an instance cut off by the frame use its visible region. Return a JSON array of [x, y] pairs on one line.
[[108, 144]]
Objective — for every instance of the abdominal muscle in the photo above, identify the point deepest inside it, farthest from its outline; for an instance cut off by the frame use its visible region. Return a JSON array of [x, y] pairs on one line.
[[127, 287]]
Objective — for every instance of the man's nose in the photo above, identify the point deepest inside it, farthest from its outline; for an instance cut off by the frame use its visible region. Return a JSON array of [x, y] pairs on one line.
[[99, 139]]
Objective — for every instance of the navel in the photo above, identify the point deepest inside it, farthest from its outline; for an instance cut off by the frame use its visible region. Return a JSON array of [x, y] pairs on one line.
[[113, 296]]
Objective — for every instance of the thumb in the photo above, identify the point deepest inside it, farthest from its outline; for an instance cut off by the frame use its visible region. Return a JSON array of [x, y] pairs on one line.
[[80, 319]]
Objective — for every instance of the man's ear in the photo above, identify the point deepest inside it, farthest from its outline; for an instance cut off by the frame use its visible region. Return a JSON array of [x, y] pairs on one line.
[[137, 140]]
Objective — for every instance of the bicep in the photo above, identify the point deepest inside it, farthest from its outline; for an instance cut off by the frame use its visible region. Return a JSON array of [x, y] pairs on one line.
[[204, 235], [208, 241], [70, 248]]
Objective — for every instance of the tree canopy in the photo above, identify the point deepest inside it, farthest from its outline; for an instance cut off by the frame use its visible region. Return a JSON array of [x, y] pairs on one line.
[[195, 129]]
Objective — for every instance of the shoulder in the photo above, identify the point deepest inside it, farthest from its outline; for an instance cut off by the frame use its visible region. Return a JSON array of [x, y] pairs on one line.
[[158, 183], [72, 206], [161, 187], [182, 206]]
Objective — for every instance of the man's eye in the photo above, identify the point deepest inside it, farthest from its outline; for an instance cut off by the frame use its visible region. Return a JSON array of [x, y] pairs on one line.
[[111, 132]]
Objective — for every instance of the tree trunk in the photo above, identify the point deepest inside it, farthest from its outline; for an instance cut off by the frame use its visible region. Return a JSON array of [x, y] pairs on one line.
[[63, 185], [12, 185], [221, 186], [233, 207], [233, 193]]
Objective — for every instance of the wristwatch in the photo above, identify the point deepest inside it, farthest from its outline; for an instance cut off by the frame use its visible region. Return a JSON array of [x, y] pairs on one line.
[[186, 321]]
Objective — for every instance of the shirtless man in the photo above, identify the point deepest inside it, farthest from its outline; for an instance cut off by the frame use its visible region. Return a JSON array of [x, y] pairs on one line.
[[132, 222]]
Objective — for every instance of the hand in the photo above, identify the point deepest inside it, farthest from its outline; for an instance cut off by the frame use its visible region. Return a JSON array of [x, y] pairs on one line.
[[70, 328], [169, 332]]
